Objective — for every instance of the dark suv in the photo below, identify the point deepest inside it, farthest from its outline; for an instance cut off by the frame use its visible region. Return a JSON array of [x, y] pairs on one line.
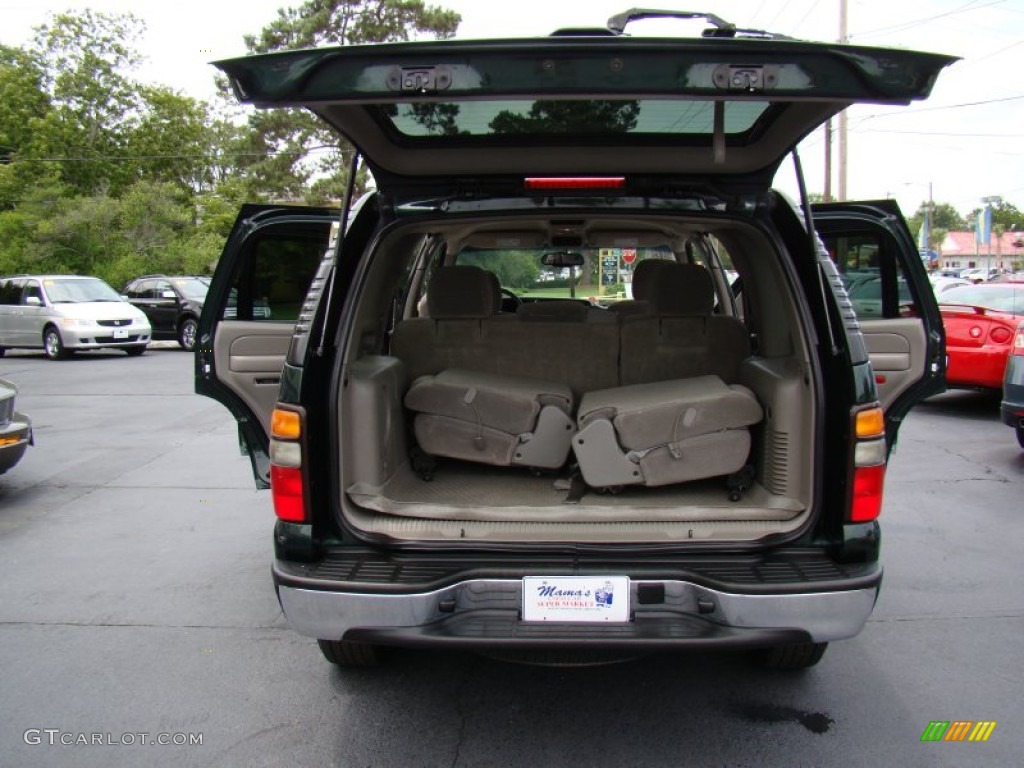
[[520, 407], [172, 304]]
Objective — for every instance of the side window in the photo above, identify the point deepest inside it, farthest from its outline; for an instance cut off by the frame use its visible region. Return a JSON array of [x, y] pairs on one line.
[[162, 290], [872, 274], [275, 274], [10, 292]]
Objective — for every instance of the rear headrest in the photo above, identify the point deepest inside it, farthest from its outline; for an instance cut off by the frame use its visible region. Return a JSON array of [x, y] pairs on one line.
[[463, 291], [557, 310], [674, 289]]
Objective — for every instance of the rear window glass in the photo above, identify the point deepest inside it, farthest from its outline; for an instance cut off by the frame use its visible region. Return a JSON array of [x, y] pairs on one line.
[[569, 118]]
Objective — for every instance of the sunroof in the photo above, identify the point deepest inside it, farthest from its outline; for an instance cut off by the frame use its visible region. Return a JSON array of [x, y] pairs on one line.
[[569, 117]]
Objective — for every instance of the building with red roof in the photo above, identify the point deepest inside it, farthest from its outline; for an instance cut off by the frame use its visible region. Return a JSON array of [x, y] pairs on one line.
[[959, 251]]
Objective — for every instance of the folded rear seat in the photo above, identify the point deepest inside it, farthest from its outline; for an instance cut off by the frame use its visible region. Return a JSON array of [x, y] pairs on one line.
[[492, 418], [465, 405], [664, 432]]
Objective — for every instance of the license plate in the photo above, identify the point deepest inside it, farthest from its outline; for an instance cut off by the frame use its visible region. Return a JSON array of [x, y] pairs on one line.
[[120, 333], [576, 598]]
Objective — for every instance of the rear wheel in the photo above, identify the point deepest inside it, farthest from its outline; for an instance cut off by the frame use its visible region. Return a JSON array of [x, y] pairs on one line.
[[187, 333], [53, 344], [1020, 436], [347, 654], [796, 656]]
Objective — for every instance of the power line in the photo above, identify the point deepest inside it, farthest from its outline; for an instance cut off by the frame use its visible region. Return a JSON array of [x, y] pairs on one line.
[[971, 6]]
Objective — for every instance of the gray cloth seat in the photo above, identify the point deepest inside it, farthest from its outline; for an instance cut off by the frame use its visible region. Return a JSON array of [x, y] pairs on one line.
[[664, 432], [679, 336], [492, 418]]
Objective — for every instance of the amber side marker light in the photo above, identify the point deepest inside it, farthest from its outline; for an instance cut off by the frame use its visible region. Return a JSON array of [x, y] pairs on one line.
[[285, 425]]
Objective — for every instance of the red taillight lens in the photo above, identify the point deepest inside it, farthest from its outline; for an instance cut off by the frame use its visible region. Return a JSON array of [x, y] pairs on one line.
[[288, 491], [1000, 335], [868, 483], [582, 182]]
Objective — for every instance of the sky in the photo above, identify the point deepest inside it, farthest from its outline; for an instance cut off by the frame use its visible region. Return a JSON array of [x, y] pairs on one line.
[[964, 143]]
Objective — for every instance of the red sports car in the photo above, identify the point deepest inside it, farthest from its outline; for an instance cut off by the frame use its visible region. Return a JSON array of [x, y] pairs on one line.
[[981, 321]]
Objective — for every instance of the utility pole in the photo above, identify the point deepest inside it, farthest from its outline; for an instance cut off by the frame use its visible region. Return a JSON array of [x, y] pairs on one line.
[[843, 39], [828, 161]]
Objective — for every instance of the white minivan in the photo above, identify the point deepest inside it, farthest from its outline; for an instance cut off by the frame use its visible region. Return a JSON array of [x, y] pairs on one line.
[[62, 314]]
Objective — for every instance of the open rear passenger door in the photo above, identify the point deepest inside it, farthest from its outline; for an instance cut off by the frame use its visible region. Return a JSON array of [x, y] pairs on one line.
[[249, 317], [889, 289]]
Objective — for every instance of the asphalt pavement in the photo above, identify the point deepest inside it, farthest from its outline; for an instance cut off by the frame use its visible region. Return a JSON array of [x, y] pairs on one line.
[[137, 617]]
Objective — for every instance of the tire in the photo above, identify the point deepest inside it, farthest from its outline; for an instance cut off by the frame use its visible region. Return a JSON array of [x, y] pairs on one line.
[[790, 657], [187, 333], [53, 344], [343, 653], [3, 350], [135, 351], [1020, 436]]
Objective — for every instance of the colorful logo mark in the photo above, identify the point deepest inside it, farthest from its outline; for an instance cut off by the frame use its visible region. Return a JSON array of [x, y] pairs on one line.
[[958, 730]]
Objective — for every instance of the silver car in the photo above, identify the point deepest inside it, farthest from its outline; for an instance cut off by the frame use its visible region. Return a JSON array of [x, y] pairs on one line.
[[66, 313]]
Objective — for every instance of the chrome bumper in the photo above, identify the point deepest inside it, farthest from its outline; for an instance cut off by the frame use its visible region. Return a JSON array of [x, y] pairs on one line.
[[824, 616]]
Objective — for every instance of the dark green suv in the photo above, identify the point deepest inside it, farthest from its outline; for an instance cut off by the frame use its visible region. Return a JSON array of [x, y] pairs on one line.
[[572, 376]]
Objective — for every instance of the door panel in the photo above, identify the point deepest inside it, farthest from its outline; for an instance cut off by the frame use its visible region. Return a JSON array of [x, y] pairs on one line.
[[898, 352], [249, 356]]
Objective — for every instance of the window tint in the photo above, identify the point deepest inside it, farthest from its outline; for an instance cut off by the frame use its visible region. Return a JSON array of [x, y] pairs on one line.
[[283, 266], [872, 275], [10, 292]]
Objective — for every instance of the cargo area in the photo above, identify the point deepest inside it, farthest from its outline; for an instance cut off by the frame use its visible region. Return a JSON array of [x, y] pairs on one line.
[[665, 414]]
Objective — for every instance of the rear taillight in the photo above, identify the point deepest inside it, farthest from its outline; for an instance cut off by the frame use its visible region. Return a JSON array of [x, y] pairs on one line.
[[869, 454], [287, 482], [1000, 335]]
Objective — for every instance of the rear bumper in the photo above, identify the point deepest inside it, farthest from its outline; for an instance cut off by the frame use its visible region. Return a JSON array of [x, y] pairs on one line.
[[484, 613]]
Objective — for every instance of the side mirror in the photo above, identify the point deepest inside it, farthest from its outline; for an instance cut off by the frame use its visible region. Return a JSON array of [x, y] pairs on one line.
[[168, 294], [33, 301]]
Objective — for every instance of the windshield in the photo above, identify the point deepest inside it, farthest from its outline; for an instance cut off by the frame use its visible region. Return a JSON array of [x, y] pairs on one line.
[[191, 287], [1001, 297], [79, 290], [604, 277]]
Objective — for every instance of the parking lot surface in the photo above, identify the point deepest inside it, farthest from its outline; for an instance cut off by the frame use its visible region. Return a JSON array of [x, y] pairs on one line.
[[138, 617]]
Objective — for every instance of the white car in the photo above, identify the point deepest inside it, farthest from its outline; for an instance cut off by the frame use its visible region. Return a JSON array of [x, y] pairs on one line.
[[941, 284], [62, 314]]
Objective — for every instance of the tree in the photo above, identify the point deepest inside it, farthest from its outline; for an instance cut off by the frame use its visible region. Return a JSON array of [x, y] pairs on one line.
[[85, 58], [1006, 217], [172, 139], [278, 163], [24, 105]]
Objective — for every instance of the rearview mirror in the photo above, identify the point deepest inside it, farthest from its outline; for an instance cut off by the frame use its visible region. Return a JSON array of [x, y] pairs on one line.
[[561, 259]]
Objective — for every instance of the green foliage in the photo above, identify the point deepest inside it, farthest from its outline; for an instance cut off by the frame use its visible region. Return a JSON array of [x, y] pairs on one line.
[[515, 270], [103, 175], [289, 153]]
